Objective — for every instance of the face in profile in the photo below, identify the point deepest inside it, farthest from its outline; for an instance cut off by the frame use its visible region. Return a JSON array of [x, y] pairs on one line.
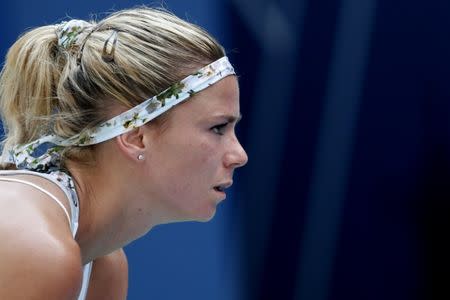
[[193, 159]]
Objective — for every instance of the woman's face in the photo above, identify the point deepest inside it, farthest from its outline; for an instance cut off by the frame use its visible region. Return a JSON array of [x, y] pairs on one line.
[[193, 159]]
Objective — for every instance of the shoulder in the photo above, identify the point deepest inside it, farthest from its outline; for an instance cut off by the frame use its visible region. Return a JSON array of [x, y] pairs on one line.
[[26, 200], [37, 265], [39, 258], [109, 278]]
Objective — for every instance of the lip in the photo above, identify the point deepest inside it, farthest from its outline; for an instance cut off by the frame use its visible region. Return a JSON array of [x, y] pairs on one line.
[[220, 196], [224, 186]]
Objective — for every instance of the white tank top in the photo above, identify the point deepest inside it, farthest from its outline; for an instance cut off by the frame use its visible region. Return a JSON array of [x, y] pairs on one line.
[[65, 182]]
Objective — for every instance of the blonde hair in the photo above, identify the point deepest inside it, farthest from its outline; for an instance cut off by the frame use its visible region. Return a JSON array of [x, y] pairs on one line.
[[46, 88]]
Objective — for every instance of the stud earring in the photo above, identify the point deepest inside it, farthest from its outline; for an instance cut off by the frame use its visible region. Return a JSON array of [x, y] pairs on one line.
[[140, 157]]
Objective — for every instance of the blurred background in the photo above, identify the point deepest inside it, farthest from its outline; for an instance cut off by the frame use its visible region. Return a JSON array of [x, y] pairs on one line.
[[346, 123]]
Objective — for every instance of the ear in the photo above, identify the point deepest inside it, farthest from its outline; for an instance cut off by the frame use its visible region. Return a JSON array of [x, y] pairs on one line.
[[131, 143]]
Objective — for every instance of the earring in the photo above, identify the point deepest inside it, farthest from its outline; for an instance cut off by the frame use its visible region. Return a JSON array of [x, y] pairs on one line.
[[140, 157]]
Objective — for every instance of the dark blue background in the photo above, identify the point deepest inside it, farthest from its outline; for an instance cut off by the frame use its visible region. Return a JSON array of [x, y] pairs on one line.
[[346, 123]]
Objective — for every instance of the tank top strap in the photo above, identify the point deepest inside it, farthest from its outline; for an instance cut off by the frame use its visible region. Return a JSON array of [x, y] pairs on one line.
[[63, 181], [66, 183], [40, 189]]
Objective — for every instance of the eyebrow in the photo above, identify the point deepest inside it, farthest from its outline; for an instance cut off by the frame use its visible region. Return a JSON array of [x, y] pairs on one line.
[[230, 118]]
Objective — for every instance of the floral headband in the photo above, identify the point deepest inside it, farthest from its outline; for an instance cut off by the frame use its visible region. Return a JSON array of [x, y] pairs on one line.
[[68, 33], [44, 154]]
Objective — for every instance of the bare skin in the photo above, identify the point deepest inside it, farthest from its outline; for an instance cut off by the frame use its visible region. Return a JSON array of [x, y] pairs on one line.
[[121, 199], [38, 241]]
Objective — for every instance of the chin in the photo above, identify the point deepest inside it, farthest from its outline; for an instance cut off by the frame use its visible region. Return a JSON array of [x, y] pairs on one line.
[[200, 212], [205, 215], [209, 218]]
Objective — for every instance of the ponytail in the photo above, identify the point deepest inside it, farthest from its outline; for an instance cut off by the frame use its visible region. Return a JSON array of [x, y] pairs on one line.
[[28, 84]]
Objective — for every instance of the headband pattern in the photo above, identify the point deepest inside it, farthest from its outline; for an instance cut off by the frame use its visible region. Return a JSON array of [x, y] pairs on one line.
[[44, 154], [69, 32]]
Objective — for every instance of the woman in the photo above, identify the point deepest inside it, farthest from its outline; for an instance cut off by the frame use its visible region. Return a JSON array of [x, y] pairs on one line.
[[91, 158]]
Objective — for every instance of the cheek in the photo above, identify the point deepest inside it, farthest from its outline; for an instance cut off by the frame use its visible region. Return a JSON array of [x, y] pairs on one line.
[[189, 165], [207, 153], [198, 167], [198, 163], [187, 175], [180, 188], [186, 163]]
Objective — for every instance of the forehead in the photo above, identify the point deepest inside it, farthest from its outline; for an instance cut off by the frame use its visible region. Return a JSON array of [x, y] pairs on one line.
[[220, 98]]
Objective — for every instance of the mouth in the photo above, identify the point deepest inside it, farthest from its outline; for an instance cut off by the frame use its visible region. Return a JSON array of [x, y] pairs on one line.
[[222, 187], [219, 189]]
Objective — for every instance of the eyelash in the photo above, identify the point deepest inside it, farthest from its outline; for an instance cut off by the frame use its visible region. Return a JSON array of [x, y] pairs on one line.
[[218, 128]]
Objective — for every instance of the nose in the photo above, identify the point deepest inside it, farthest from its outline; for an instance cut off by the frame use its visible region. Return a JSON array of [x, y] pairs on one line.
[[236, 156]]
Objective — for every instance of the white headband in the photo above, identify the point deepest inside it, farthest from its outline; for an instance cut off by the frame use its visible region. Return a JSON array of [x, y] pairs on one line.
[[69, 32], [45, 153]]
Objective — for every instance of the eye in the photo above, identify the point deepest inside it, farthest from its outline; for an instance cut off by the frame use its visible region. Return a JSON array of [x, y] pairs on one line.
[[219, 129]]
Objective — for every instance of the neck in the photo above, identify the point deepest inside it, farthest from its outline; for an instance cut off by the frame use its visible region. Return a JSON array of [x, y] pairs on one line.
[[107, 221]]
